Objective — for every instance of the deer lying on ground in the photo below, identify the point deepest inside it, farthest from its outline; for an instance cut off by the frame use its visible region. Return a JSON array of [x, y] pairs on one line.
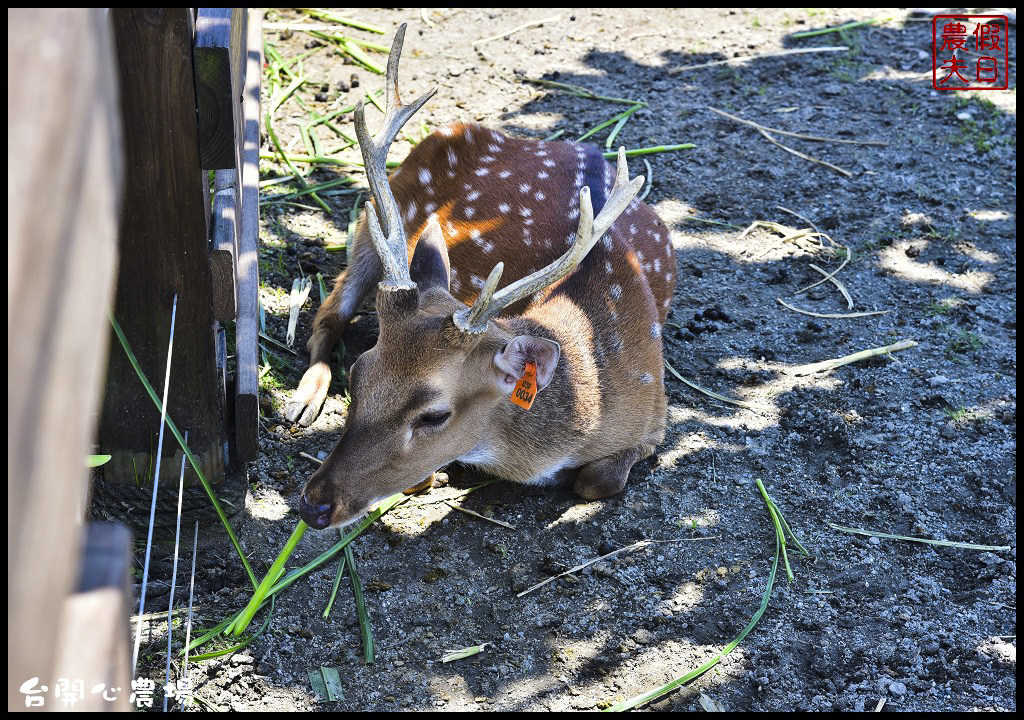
[[458, 363]]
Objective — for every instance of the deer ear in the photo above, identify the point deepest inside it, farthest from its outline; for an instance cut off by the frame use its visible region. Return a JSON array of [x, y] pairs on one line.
[[511, 360], [430, 267]]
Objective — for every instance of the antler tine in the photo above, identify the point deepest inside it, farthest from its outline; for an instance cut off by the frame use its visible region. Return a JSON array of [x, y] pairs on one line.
[[590, 230], [387, 219]]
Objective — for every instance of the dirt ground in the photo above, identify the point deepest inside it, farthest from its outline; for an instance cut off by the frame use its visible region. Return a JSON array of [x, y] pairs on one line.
[[918, 443]]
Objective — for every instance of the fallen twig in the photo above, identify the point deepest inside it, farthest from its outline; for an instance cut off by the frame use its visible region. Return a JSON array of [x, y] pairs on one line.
[[941, 543], [634, 546], [579, 91], [453, 655], [796, 214], [827, 365], [710, 393], [831, 278], [831, 315], [801, 136], [809, 158], [828, 276], [839, 28], [741, 60], [524, 26], [478, 515]]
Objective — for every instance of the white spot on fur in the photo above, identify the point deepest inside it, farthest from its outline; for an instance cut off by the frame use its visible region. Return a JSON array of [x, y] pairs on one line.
[[607, 242], [477, 282], [504, 174], [487, 159], [615, 291], [452, 159], [473, 195], [429, 208], [494, 148], [480, 172], [646, 378], [524, 188], [525, 211], [549, 163], [655, 330], [410, 212], [424, 176], [504, 207], [469, 211], [539, 196], [542, 175], [608, 267]]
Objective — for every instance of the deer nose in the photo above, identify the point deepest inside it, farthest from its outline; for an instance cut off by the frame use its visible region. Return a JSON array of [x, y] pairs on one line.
[[316, 516]]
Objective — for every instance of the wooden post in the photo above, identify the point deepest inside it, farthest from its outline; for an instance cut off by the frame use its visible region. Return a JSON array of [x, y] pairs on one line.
[[220, 71], [63, 185], [247, 326], [164, 251], [94, 644]]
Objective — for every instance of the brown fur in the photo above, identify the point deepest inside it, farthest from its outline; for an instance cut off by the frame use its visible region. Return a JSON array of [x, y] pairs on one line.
[[605, 406]]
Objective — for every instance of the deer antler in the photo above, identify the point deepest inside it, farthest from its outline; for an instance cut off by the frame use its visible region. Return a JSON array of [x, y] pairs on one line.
[[590, 230], [392, 250]]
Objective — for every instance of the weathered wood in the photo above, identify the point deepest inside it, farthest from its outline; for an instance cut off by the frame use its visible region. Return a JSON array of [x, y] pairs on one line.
[[219, 69], [247, 325], [94, 644], [164, 249], [222, 255], [63, 186]]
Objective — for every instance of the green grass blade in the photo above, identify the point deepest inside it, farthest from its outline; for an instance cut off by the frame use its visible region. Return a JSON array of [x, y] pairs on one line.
[[337, 583], [635, 152], [269, 579], [364, 618], [384, 507], [184, 447]]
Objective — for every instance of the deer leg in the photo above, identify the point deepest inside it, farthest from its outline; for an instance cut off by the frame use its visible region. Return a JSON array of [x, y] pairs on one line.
[[331, 320], [608, 476]]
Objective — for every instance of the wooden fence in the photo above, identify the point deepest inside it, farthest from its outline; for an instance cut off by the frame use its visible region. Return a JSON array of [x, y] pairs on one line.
[[116, 120]]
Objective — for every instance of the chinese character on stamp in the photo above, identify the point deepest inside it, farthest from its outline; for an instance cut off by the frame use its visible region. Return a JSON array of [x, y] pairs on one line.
[[970, 52]]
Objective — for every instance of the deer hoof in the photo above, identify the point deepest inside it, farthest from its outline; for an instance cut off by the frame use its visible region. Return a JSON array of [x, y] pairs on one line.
[[309, 398]]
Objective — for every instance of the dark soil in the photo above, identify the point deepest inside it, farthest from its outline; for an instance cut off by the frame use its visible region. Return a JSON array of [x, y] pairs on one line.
[[919, 443]]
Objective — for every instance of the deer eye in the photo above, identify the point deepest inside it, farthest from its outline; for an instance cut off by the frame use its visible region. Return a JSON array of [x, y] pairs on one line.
[[432, 419]]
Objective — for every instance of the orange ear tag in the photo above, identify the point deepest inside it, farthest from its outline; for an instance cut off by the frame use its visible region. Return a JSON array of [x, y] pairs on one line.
[[526, 388]]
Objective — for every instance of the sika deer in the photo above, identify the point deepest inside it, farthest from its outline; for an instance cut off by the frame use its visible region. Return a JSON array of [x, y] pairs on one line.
[[450, 375]]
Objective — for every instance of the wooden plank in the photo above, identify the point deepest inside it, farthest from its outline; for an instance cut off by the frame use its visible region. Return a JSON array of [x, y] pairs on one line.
[[94, 644], [219, 57], [222, 255], [63, 191], [163, 244], [247, 325]]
